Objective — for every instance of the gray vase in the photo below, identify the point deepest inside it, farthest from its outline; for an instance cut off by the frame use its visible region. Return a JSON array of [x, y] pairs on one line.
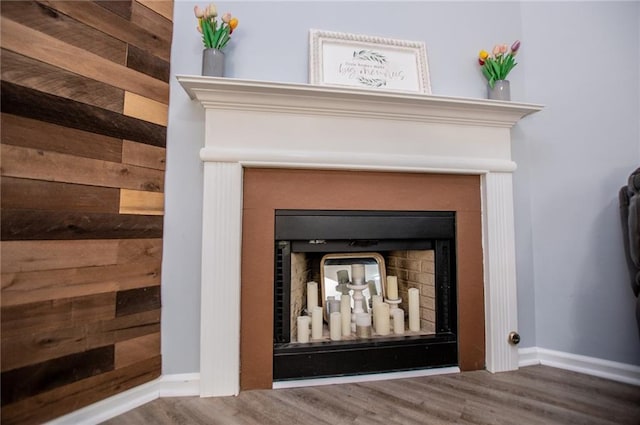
[[212, 63], [500, 90]]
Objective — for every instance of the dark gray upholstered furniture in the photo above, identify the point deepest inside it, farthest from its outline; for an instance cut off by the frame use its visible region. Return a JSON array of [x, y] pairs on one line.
[[630, 214]]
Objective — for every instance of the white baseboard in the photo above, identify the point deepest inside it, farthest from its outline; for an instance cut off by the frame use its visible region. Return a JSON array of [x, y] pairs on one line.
[[178, 385], [616, 371]]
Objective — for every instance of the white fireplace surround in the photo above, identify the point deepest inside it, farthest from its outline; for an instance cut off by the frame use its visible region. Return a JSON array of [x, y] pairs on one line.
[[319, 127]]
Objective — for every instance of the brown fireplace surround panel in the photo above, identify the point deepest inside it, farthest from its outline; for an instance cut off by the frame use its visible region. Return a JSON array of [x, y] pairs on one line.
[[266, 190]]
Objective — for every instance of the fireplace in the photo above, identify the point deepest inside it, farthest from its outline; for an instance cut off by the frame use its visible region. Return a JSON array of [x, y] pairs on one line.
[[412, 250], [298, 132]]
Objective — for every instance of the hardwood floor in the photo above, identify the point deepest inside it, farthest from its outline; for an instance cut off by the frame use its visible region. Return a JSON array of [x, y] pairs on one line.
[[531, 395]]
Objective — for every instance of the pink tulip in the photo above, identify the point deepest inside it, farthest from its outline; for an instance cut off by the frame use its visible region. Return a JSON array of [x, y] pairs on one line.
[[211, 11], [198, 12], [503, 49], [496, 50], [226, 18]]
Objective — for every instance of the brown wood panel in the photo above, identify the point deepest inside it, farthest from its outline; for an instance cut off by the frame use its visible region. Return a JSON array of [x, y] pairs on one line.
[[121, 8], [20, 288], [36, 347], [43, 165], [24, 382], [139, 202], [143, 155], [74, 250], [43, 18], [23, 71], [144, 17], [101, 19], [164, 8], [145, 109], [148, 64], [56, 225], [51, 314], [137, 349], [43, 195], [23, 256], [31, 133], [39, 46], [26, 102], [266, 190], [134, 301], [65, 399]]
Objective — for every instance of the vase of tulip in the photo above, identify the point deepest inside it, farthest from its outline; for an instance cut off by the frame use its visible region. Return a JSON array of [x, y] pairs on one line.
[[496, 66], [215, 36]]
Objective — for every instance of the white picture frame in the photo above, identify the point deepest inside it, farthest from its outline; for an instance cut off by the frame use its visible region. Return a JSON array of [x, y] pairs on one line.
[[353, 60]]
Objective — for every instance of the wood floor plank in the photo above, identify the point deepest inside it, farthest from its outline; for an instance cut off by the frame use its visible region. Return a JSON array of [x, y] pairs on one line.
[[471, 398]]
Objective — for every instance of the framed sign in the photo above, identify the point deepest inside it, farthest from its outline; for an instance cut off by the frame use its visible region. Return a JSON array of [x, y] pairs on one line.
[[340, 59]]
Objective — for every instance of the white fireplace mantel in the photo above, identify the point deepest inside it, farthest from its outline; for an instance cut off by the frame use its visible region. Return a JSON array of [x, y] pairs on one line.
[[268, 124]]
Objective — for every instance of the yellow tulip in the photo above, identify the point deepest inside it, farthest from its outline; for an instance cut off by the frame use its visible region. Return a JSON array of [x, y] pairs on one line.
[[483, 54], [233, 23]]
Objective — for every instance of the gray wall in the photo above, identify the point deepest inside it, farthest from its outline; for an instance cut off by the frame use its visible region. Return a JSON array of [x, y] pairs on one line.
[[573, 293]]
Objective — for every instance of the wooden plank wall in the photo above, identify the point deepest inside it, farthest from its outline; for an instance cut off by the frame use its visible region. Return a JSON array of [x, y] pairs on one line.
[[84, 113]]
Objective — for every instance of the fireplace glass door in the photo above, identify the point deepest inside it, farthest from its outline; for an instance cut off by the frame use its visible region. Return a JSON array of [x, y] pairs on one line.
[[360, 292]]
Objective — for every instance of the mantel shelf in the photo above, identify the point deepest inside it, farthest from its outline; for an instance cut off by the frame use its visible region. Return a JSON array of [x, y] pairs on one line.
[[251, 95]]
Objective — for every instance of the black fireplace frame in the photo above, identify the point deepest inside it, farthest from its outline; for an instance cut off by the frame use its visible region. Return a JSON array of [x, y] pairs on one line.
[[331, 231]]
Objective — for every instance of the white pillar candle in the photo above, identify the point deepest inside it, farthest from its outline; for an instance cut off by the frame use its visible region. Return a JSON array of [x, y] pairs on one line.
[[335, 326], [383, 325], [376, 301], [334, 305], [345, 313], [316, 323], [392, 287], [414, 310], [357, 274], [363, 325], [312, 296], [303, 328], [398, 321]]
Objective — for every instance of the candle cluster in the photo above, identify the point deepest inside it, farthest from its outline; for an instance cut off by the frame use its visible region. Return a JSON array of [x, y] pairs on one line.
[[350, 313]]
